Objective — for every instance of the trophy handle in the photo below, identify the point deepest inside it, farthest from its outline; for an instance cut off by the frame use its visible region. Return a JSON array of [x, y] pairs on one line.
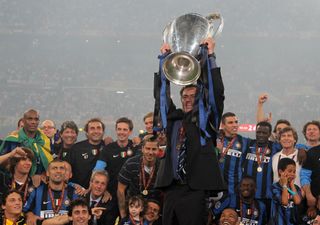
[[212, 18]]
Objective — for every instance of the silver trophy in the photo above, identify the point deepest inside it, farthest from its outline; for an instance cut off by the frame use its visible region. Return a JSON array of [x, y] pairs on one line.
[[184, 36]]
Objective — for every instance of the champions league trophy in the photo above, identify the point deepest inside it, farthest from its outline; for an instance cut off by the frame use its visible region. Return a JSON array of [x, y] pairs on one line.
[[184, 36], [182, 66]]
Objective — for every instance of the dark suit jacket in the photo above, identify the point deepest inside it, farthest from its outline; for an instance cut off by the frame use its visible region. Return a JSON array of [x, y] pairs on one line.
[[203, 172], [108, 217]]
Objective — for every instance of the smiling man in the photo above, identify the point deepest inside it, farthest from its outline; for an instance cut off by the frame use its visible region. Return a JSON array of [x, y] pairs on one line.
[[33, 138], [231, 146], [12, 208], [68, 136], [152, 214], [84, 155], [51, 199], [98, 186], [115, 155], [138, 174], [249, 210], [288, 137], [18, 176]]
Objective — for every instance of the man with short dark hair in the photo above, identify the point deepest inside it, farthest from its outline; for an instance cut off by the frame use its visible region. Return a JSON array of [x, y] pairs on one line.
[[51, 199], [33, 138], [249, 210], [12, 208], [84, 155], [257, 162], [117, 152], [229, 217], [138, 174], [78, 214], [231, 147], [152, 213], [148, 123], [190, 167]]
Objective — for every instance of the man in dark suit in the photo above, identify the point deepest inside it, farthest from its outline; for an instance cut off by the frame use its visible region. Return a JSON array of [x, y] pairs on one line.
[[98, 186], [190, 168]]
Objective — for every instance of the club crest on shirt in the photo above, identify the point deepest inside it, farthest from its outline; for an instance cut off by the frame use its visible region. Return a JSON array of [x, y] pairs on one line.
[[67, 202], [217, 205], [238, 145]]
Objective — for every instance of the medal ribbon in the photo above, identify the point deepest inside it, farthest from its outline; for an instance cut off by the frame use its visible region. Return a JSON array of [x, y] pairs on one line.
[[24, 186], [55, 208], [134, 222], [143, 181], [225, 151], [258, 153], [252, 208]]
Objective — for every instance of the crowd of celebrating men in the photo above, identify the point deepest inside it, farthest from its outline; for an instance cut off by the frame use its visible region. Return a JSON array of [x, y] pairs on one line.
[[204, 175], [49, 170]]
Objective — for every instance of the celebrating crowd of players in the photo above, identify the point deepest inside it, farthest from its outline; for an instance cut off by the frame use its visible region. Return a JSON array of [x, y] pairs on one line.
[[204, 175], [271, 178]]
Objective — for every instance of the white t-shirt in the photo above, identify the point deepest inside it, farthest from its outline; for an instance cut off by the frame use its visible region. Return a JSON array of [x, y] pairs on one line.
[[275, 160]]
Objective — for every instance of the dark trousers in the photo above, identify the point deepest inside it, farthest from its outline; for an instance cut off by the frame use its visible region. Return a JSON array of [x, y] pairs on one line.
[[183, 206]]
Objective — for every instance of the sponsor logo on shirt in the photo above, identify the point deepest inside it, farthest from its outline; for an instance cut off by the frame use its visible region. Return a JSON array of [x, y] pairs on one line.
[[247, 221], [49, 213], [253, 157], [235, 153]]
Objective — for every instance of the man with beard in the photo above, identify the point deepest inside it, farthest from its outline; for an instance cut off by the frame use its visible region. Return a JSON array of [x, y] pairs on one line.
[[84, 155], [250, 211], [138, 174], [51, 199], [31, 137]]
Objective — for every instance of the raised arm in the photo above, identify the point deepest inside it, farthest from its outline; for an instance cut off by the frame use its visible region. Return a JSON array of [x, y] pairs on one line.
[[260, 113]]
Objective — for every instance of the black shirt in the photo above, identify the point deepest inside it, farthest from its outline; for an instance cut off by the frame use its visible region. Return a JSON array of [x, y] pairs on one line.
[[131, 175], [115, 156], [313, 163], [83, 157]]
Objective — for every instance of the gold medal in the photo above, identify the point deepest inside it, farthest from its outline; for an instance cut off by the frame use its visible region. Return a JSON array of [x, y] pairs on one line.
[[259, 169], [145, 192], [129, 152]]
